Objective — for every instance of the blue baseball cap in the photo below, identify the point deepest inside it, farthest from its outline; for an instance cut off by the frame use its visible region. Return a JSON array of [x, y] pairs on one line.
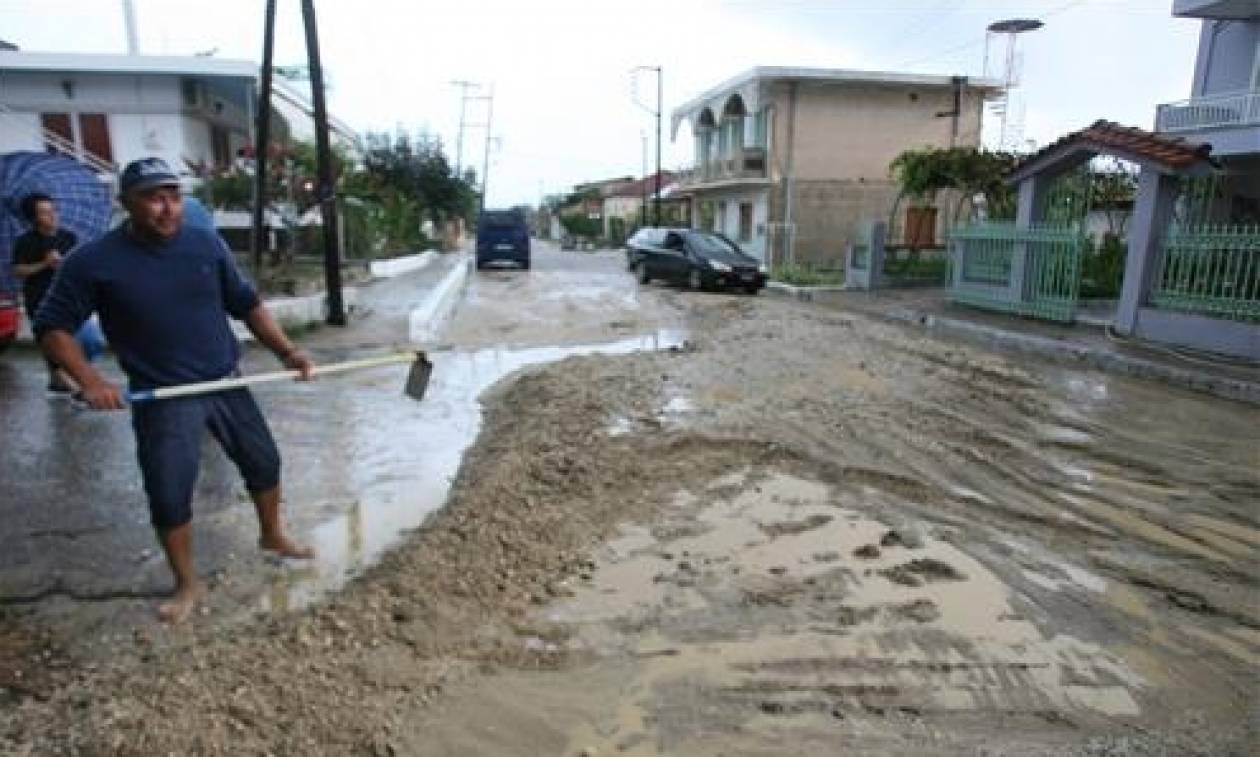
[[147, 173]]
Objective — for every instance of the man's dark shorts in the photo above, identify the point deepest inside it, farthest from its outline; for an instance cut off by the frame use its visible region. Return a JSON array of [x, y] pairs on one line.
[[169, 434]]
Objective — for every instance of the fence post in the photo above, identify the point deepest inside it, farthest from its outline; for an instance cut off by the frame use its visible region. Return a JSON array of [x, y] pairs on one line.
[[1032, 195], [875, 233], [1152, 211]]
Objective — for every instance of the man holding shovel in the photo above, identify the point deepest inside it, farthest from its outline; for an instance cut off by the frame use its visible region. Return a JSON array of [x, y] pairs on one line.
[[163, 290]]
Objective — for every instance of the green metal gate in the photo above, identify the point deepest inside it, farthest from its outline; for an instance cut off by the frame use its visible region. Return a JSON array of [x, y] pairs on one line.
[[1033, 272]]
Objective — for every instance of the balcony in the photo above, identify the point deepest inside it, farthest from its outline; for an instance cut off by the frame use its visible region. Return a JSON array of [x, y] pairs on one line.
[[748, 163], [1228, 111], [1217, 9]]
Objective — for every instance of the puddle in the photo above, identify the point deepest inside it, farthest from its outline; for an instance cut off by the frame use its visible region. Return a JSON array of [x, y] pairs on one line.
[[777, 589], [401, 476]]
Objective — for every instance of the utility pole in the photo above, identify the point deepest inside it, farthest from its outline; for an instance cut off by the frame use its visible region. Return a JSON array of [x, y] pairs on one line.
[[660, 95], [464, 86], [656, 202], [327, 190], [485, 164], [262, 139]]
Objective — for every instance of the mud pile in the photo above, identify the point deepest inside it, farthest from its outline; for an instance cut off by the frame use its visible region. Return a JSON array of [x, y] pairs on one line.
[[805, 527]]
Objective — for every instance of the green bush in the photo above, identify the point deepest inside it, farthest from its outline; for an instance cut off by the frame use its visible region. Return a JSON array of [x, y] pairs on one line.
[[917, 268], [1102, 268], [579, 225], [230, 191]]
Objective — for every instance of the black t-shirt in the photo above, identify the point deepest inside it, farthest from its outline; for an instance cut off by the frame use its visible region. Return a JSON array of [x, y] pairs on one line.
[[31, 248]]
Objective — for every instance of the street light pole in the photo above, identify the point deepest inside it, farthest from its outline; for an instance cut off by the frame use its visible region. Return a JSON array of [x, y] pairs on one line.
[[656, 209], [656, 202], [326, 191], [643, 183]]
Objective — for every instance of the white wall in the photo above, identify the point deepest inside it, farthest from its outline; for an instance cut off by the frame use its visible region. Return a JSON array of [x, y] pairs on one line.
[[19, 131], [137, 136], [196, 143], [728, 223], [144, 113]]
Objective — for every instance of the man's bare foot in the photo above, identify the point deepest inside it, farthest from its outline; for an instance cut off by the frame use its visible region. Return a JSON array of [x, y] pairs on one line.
[[283, 546], [182, 604]]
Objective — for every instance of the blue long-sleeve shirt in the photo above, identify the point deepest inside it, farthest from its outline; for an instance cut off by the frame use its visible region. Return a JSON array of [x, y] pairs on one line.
[[163, 306]]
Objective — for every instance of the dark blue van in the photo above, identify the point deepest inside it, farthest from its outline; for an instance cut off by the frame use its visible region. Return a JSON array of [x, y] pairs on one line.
[[502, 235]]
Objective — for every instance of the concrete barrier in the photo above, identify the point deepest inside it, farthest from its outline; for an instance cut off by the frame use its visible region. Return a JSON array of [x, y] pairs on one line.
[[427, 318], [385, 269]]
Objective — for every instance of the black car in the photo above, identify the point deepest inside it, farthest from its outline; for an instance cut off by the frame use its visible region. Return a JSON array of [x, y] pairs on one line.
[[502, 235], [698, 259]]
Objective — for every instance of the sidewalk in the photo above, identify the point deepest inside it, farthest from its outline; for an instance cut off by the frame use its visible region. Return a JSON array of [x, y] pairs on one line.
[[1080, 344]]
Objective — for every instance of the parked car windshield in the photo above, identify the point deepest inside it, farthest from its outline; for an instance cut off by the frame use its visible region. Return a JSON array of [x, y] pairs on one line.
[[716, 247]]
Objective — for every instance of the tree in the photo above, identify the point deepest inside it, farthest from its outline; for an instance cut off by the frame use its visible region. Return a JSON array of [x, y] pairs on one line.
[[923, 174], [418, 169], [1114, 188]]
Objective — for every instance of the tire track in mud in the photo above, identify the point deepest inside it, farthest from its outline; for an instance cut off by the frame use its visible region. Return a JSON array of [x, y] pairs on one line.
[[547, 483]]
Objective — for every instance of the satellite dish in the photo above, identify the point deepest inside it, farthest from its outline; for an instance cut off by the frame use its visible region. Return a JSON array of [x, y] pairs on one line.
[[1015, 25]]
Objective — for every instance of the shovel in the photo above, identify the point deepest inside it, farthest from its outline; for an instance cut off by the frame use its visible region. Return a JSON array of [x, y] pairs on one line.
[[417, 378]]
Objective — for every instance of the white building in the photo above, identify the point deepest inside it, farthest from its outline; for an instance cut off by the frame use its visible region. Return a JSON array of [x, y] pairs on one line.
[[108, 110]]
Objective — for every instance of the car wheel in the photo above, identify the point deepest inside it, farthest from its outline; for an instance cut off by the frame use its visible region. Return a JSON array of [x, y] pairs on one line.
[[644, 276], [752, 289], [695, 280]]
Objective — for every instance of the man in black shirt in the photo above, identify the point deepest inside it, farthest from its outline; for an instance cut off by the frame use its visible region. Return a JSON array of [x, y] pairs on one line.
[[36, 256]]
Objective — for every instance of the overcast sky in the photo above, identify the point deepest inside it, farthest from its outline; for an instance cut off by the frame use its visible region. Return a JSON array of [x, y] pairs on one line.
[[563, 109]]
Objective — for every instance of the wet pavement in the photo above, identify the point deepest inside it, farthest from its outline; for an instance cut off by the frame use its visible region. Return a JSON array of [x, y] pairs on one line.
[[804, 528], [363, 464]]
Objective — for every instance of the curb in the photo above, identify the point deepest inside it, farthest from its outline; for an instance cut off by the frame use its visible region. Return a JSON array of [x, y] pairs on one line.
[[385, 269], [1126, 365], [429, 315], [804, 294]]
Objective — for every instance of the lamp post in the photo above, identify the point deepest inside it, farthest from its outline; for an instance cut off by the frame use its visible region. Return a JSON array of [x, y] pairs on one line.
[[656, 199]]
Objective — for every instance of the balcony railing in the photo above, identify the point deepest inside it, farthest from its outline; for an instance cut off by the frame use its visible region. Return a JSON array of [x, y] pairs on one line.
[[748, 163], [1215, 111]]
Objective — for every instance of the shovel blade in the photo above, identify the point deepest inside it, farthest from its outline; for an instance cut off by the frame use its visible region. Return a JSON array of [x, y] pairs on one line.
[[418, 377]]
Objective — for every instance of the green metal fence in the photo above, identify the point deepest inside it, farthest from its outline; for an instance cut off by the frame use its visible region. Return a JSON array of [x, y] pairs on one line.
[[1034, 272], [1211, 270], [861, 255]]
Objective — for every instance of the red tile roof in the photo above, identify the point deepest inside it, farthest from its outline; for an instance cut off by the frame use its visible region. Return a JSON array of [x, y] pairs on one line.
[[1172, 153]]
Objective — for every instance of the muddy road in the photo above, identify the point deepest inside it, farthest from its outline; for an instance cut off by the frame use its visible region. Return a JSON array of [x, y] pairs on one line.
[[682, 523]]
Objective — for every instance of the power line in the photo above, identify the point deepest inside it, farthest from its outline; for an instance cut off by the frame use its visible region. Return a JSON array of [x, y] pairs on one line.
[[938, 13], [980, 41]]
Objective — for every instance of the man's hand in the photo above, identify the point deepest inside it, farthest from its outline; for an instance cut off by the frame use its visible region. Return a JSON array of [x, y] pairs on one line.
[[52, 259], [297, 360], [102, 395]]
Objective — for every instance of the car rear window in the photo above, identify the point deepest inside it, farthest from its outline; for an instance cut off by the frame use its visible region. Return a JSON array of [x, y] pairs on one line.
[[500, 219]]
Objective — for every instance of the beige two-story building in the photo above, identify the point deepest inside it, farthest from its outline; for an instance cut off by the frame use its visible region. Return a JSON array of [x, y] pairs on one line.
[[788, 161]]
